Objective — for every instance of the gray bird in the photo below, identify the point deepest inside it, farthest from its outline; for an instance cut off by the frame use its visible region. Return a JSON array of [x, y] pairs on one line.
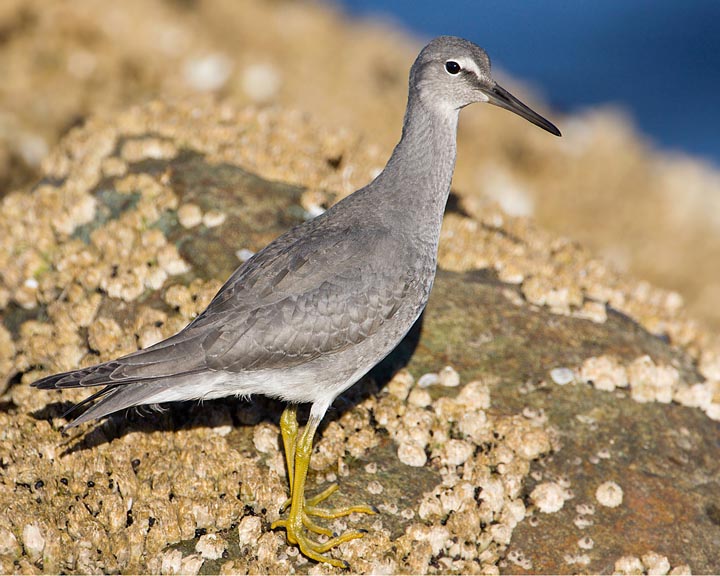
[[310, 314]]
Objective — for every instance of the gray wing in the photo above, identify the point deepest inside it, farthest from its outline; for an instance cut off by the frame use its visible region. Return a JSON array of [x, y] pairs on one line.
[[294, 303], [316, 290]]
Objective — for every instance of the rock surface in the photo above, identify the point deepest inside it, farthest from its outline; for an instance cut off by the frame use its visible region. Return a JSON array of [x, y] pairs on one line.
[[112, 267]]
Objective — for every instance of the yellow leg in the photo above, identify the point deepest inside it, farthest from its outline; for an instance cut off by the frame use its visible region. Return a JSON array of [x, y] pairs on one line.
[[297, 454], [289, 430]]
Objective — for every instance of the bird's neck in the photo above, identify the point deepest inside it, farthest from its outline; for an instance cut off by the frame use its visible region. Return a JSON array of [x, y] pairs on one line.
[[420, 170]]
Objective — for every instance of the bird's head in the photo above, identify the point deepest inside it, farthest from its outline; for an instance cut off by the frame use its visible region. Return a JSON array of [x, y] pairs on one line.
[[450, 73]]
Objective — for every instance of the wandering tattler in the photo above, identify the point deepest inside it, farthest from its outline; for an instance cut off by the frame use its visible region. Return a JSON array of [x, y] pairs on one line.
[[306, 317]]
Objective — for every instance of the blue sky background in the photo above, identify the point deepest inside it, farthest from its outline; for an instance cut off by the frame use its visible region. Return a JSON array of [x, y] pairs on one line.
[[657, 59]]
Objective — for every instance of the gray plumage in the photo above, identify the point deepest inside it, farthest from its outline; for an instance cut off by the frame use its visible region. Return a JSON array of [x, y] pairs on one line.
[[312, 312]]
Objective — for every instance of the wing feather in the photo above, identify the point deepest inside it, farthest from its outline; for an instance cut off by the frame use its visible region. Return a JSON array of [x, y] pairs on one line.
[[324, 301]]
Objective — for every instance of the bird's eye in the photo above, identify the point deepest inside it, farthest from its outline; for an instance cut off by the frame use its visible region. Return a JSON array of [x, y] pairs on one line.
[[452, 67]]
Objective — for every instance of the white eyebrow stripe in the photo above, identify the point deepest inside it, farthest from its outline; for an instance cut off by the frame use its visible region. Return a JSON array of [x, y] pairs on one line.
[[468, 64]]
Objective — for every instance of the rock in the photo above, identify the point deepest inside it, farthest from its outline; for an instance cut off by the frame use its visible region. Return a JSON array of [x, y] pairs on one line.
[[261, 82], [33, 541], [171, 562], [609, 494], [211, 546], [449, 377], [189, 215], [249, 530], [8, 543], [562, 376], [209, 73], [191, 564], [629, 565], [411, 454], [549, 497], [604, 372], [265, 438], [456, 452], [429, 379], [655, 564], [478, 451], [419, 397]]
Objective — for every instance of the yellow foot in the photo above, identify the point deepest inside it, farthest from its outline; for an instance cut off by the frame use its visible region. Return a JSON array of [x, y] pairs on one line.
[[298, 522], [310, 548]]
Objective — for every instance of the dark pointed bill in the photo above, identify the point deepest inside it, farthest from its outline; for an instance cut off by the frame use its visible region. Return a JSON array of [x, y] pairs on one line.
[[501, 97]]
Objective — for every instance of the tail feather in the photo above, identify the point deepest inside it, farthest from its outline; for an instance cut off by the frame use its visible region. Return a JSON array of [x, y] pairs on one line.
[[90, 376], [147, 376], [179, 354], [112, 399], [88, 400], [115, 395]]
